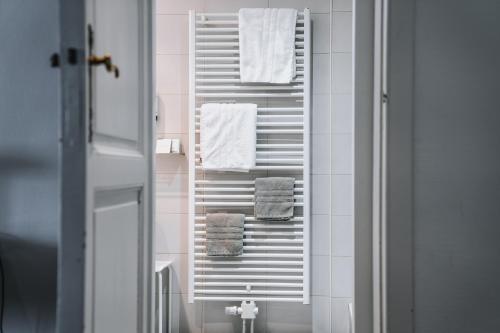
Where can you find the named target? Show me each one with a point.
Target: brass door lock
(106, 61)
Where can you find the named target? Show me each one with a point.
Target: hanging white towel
(267, 44)
(228, 136)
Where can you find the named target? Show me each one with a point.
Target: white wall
(30, 124)
(332, 248)
(457, 166)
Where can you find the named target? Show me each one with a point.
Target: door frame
(71, 254)
(396, 227)
(363, 67)
(383, 166)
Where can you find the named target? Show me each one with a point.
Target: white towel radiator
(275, 265)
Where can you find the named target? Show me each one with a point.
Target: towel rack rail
(275, 262)
(218, 30)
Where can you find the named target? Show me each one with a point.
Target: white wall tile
(342, 236)
(178, 269)
(321, 114)
(320, 273)
(340, 315)
(321, 153)
(186, 317)
(171, 193)
(233, 5)
(342, 277)
(178, 6)
(316, 6)
(216, 321)
(172, 74)
(321, 33)
(320, 235)
(321, 73)
(342, 5)
(342, 113)
(172, 233)
(321, 314)
(342, 32)
(172, 114)
(172, 35)
(320, 194)
(342, 73)
(342, 154)
(342, 195)
(172, 163)
(284, 317)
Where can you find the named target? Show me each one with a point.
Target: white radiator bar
(249, 262)
(251, 277)
(233, 51)
(262, 248)
(230, 37)
(243, 284)
(258, 255)
(297, 80)
(215, 59)
(234, 15)
(274, 131)
(233, 189)
(298, 29)
(257, 299)
(271, 167)
(236, 182)
(275, 262)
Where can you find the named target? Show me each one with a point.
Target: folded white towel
(267, 44)
(228, 136)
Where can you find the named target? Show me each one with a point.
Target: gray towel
(224, 234)
(274, 198)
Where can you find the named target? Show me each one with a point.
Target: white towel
(267, 44)
(228, 136)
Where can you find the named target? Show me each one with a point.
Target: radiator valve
(247, 310)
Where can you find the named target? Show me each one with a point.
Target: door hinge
(91, 120)
(385, 98)
(72, 56)
(55, 61)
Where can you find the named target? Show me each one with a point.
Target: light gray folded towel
(274, 198)
(224, 234)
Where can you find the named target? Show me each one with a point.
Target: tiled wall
(332, 248)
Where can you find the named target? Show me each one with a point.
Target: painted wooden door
(119, 250)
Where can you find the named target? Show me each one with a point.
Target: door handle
(105, 60)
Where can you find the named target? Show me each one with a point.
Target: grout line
(331, 230)
(172, 54)
(172, 14)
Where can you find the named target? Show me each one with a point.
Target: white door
(119, 242)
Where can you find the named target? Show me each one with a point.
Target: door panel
(117, 26)
(117, 215)
(119, 226)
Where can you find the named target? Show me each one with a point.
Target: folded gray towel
(224, 248)
(274, 198)
(225, 220)
(224, 234)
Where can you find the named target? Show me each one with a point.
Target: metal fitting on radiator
(247, 310)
